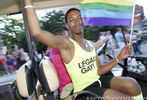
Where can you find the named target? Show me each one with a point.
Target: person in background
(119, 38)
(10, 62)
(16, 56)
(135, 44)
(23, 55)
(139, 37)
(3, 63)
(102, 35)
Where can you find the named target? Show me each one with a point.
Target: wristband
(117, 59)
(29, 6)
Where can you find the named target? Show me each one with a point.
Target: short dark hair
(71, 9)
(58, 32)
(13, 46)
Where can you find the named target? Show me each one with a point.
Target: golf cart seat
(48, 77)
(27, 80)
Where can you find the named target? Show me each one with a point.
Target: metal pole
(28, 38)
(47, 96)
(29, 43)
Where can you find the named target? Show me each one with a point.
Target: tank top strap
(73, 41)
(90, 43)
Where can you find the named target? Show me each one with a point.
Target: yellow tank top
(82, 69)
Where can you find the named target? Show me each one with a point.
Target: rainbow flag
(107, 12)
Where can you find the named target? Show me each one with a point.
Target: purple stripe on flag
(101, 21)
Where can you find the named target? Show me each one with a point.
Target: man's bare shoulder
(67, 49)
(66, 42)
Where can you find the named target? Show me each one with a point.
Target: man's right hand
(125, 52)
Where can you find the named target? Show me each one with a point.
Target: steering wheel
(103, 49)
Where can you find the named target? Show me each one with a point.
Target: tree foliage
(92, 32)
(51, 21)
(13, 32)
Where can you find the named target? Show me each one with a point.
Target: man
(135, 44)
(119, 38)
(64, 79)
(80, 57)
(16, 54)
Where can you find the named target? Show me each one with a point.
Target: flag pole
(132, 24)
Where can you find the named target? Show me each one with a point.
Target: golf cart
(36, 70)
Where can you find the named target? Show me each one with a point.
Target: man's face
(74, 22)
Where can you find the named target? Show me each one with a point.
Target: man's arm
(125, 52)
(34, 27)
(102, 69)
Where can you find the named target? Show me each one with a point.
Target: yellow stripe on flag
(113, 2)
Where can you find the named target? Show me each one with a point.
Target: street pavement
(7, 78)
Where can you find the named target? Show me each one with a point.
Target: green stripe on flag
(96, 5)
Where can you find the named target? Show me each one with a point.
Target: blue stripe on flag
(106, 13)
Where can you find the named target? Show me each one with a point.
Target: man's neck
(79, 37)
(80, 40)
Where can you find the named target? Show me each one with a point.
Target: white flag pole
(132, 23)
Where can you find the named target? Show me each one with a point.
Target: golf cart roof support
(28, 38)
(35, 62)
(13, 6)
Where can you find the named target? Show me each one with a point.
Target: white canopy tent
(13, 6)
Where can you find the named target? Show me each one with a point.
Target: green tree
(13, 32)
(92, 32)
(51, 21)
